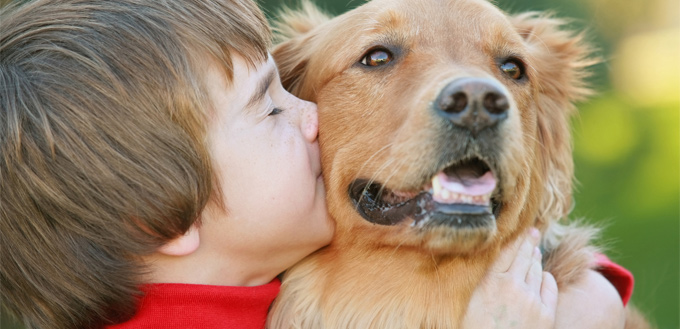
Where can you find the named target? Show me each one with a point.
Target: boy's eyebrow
(262, 88)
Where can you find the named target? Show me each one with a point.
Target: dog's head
(443, 124)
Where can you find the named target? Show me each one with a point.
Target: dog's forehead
(434, 15)
(462, 24)
(453, 33)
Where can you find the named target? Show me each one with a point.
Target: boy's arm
(598, 299)
(617, 275)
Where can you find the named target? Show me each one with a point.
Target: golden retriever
(444, 133)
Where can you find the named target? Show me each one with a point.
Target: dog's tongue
(465, 182)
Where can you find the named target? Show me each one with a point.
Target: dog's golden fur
(376, 124)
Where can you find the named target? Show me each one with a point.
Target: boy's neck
(196, 268)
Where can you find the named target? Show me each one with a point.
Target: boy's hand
(590, 303)
(515, 293)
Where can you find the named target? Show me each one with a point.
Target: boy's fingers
(525, 258)
(507, 256)
(549, 291)
(534, 276)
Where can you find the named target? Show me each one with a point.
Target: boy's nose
(310, 121)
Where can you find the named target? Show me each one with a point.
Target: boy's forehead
(263, 83)
(236, 68)
(260, 70)
(248, 84)
(253, 80)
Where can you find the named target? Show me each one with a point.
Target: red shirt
(182, 306)
(619, 277)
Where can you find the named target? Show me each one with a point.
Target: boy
(150, 144)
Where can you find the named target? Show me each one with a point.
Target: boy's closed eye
(276, 111)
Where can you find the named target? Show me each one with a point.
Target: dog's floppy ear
(293, 34)
(559, 59)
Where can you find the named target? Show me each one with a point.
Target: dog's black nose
(473, 103)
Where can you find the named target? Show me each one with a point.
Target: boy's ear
(183, 245)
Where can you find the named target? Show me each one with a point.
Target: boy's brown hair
(102, 123)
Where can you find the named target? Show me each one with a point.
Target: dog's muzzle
(463, 192)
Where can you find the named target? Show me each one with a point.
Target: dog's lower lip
(463, 209)
(420, 209)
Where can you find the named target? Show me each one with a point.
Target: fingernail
(534, 233)
(537, 252)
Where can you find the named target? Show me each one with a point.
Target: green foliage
(627, 163)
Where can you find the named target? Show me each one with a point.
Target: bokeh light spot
(645, 67)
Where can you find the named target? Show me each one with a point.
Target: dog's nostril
(496, 103)
(474, 104)
(455, 103)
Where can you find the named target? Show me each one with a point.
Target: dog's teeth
(443, 195)
(436, 186)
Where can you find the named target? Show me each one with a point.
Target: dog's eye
(513, 68)
(377, 57)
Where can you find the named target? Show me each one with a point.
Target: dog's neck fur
(329, 277)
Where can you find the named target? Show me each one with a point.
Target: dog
(444, 134)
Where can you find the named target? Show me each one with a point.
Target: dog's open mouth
(460, 195)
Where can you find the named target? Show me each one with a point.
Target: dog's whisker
(395, 170)
(374, 155)
(388, 164)
(403, 161)
(374, 177)
(377, 172)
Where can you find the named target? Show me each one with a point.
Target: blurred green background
(626, 138)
